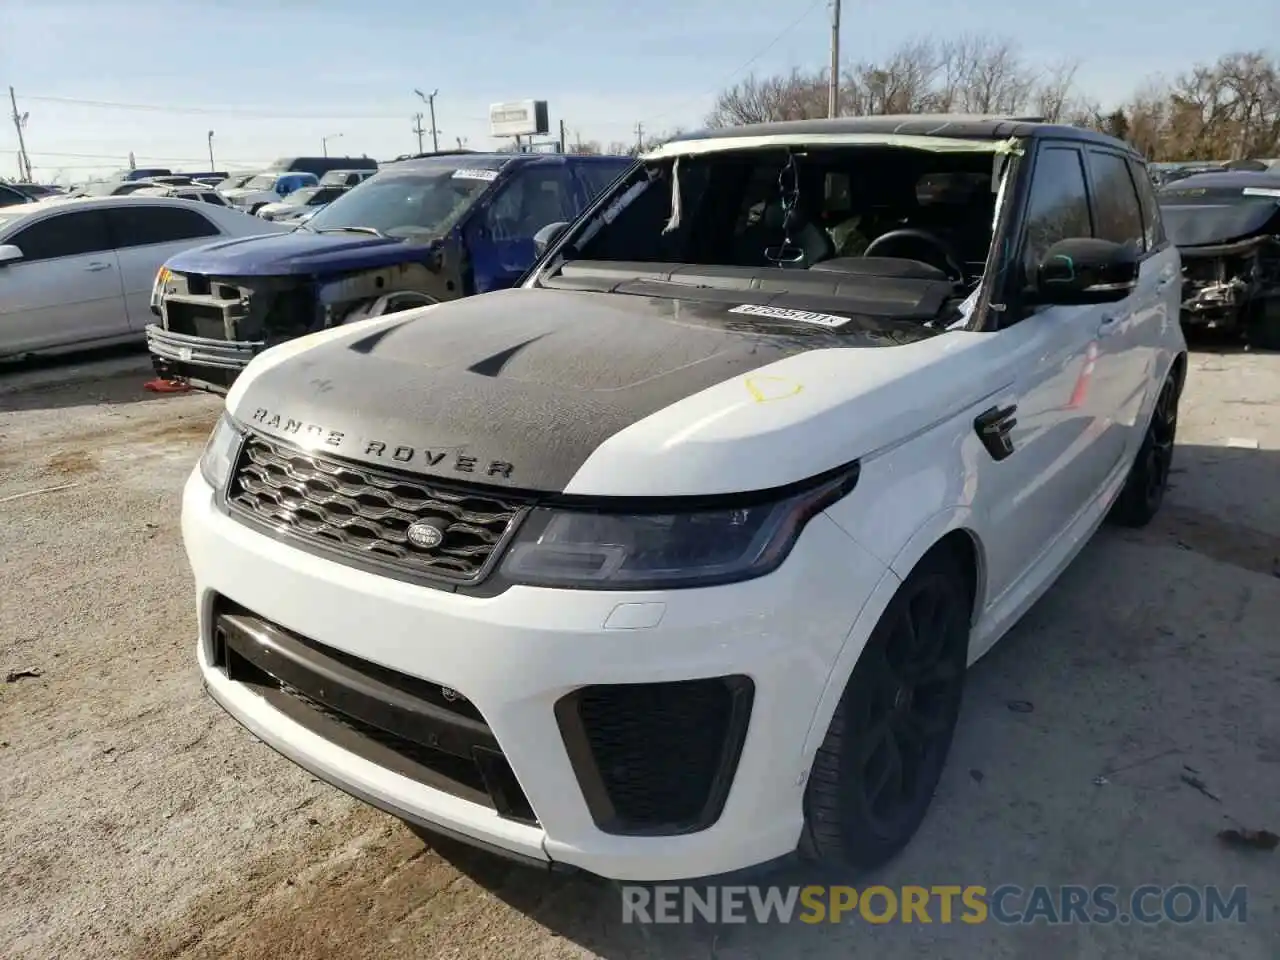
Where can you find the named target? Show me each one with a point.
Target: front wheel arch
(386, 304)
(943, 532)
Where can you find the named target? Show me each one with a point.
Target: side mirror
(1083, 270)
(9, 254)
(548, 235)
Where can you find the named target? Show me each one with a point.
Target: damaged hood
(298, 252)
(608, 394)
(1204, 224)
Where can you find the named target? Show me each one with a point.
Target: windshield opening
(780, 208)
(265, 181)
(418, 202)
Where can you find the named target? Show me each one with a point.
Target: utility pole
(19, 121)
(430, 101)
(639, 138)
(417, 128)
(212, 165)
(562, 136)
(833, 81)
(435, 134)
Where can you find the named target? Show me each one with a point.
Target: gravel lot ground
(138, 821)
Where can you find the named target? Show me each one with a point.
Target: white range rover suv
(670, 561)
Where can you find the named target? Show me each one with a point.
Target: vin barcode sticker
(475, 173)
(797, 316)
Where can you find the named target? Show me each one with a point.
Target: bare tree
(1219, 111)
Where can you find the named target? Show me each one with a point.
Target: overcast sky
(274, 78)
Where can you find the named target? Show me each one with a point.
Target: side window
(213, 198)
(533, 199)
(1152, 223)
(1058, 206)
(596, 177)
(1115, 200)
(64, 235)
(140, 226)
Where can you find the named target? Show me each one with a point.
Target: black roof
(1224, 180)
(963, 126)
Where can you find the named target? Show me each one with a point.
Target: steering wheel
(954, 269)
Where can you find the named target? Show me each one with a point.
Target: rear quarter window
(141, 226)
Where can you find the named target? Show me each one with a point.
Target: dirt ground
(138, 821)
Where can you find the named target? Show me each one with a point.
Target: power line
(760, 53)
(220, 111)
(123, 156)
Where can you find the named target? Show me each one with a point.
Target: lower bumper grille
(405, 724)
(196, 319)
(656, 759)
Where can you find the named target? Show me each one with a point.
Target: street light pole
(212, 166)
(324, 142)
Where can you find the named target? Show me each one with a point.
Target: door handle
(94, 267)
(1108, 326)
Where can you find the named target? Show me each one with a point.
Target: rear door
(66, 289)
(145, 236)
(1124, 370)
(500, 238)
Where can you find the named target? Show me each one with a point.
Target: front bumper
(518, 655)
(204, 361)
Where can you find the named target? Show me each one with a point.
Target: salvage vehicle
(322, 165)
(234, 182)
(76, 275)
(298, 202)
(417, 233)
(1227, 228)
(202, 194)
(345, 178)
(265, 188)
(10, 195)
(671, 560)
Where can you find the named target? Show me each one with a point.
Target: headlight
(157, 288)
(650, 549)
(220, 453)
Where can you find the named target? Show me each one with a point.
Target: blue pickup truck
(420, 231)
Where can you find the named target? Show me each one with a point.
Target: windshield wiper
(369, 230)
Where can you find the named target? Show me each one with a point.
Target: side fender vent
(994, 426)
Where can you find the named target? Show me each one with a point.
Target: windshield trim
(689, 148)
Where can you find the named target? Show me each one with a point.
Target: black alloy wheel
(874, 776)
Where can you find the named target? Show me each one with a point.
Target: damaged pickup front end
(214, 319)
(1227, 229)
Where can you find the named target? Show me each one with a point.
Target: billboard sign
(520, 118)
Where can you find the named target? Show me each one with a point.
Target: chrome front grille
(362, 514)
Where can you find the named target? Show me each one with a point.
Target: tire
(1263, 329)
(1144, 490)
(898, 713)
